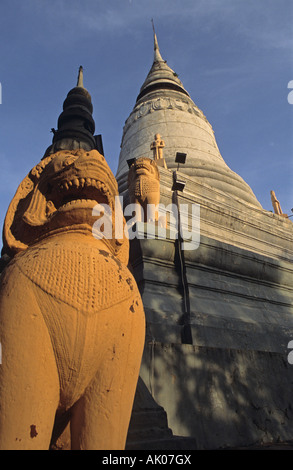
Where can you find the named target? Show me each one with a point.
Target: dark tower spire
(80, 77)
(76, 125)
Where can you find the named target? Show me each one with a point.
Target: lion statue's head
(143, 178)
(143, 166)
(60, 193)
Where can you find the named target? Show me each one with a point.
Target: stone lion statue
(72, 324)
(144, 187)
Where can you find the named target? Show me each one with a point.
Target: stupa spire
(165, 107)
(157, 54)
(160, 76)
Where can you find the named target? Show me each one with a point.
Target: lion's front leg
(139, 210)
(29, 383)
(100, 419)
(152, 207)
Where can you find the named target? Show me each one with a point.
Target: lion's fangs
(83, 182)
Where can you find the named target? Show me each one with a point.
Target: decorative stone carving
(144, 187)
(72, 322)
(159, 104)
(276, 205)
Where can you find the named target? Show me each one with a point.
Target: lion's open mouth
(78, 192)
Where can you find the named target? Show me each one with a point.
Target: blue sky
(234, 57)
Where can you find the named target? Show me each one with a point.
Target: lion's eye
(69, 160)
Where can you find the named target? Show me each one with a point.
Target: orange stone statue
(72, 323)
(144, 187)
(157, 146)
(276, 205)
